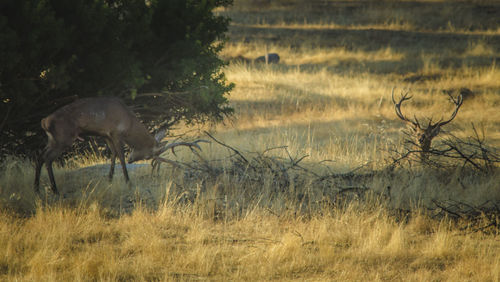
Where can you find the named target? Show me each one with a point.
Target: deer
(423, 135)
(107, 117)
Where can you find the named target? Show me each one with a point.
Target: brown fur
(104, 116)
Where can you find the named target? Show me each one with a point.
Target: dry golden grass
(329, 99)
(179, 243)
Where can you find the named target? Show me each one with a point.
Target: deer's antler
(155, 163)
(157, 160)
(458, 102)
(189, 144)
(397, 107)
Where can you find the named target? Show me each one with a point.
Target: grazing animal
(269, 58)
(108, 117)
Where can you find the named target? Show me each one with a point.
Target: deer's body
(102, 116)
(107, 117)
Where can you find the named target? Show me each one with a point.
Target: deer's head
(424, 134)
(152, 150)
(157, 147)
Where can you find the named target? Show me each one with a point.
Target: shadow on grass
(447, 50)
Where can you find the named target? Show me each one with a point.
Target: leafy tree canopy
(159, 55)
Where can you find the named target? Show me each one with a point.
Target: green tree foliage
(159, 55)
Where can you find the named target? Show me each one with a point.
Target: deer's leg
(38, 169)
(121, 155)
(113, 158)
(51, 177)
(119, 151)
(49, 156)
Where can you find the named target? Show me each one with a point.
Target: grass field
(292, 213)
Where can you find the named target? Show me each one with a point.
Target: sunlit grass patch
(177, 242)
(309, 55)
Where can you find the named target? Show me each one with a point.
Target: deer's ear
(435, 131)
(160, 135)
